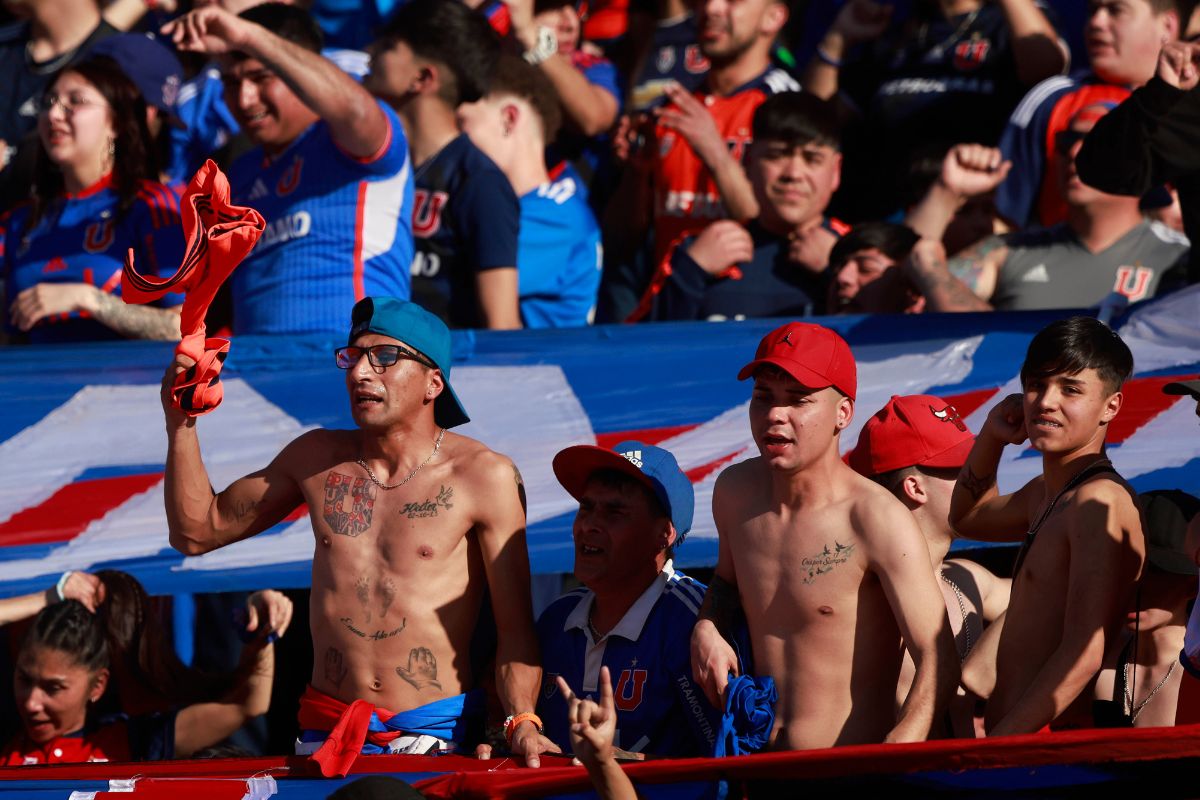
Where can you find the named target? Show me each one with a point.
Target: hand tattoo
(975, 485)
(429, 508)
(421, 671)
(825, 561)
(349, 504)
(335, 666)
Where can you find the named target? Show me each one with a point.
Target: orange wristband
(510, 724)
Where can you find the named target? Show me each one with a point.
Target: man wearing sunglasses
(413, 525)
(1105, 246)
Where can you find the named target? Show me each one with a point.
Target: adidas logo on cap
(633, 457)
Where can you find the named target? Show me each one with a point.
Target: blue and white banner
(82, 443)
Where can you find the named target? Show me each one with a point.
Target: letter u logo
(630, 687)
(290, 178)
(427, 213)
(1133, 282)
(98, 236)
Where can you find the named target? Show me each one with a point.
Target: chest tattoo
(429, 506)
(825, 561)
(349, 504)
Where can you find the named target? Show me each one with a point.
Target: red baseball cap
(910, 431)
(815, 356)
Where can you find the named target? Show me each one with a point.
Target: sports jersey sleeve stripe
(692, 589)
(1023, 113)
(688, 602)
(360, 290)
(148, 200)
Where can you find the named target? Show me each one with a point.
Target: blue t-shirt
(465, 220)
(661, 710)
(83, 238)
(339, 228)
(559, 256)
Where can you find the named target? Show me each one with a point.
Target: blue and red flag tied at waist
(219, 235)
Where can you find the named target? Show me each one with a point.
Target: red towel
(347, 726)
(219, 236)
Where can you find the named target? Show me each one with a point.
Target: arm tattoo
(137, 321)
(335, 666)
(349, 504)
(975, 485)
(947, 292)
(722, 605)
(520, 487)
(421, 672)
(246, 508)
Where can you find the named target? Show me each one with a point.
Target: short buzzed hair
(517, 78)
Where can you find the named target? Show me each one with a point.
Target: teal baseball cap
(420, 330)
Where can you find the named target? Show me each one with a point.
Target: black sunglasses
(379, 355)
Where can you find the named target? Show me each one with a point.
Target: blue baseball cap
(149, 64)
(653, 466)
(420, 330)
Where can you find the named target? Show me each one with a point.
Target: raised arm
(204, 724)
(356, 122)
(713, 658)
(977, 509)
(1037, 50)
(80, 586)
(928, 271)
(1105, 539)
(500, 527)
(199, 519)
(691, 120)
(968, 170)
(858, 21)
(898, 555)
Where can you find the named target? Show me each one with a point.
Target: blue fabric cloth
(446, 719)
(749, 715)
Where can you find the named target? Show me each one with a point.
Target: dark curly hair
(69, 628)
(134, 157)
(141, 652)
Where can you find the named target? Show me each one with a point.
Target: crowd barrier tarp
(82, 445)
(1012, 764)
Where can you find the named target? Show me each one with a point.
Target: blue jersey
(661, 710)
(208, 123)
(82, 238)
(339, 228)
(465, 220)
(674, 56)
(1030, 195)
(559, 257)
(770, 285)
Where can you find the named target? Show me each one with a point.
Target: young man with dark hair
(331, 172)
(558, 254)
(1082, 554)
(867, 273)
(914, 447)
(635, 611)
(830, 569)
(774, 265)
(429, 59)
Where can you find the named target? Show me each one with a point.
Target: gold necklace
(436, 446)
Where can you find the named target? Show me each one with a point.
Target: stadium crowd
(440, 164)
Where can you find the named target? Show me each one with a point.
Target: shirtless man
(830, 569)
(1073, 583)
(396, 595)
(914, 447)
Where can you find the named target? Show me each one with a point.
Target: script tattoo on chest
(429, 507)
(825, 561)
(349, 504)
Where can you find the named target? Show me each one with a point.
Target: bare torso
(819, 621)
(398, 577)
(1034, 626)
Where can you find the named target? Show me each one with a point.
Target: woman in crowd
(92, 199)
(62, 671)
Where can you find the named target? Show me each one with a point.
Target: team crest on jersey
(630, 688)
(427, 212)
(1133, 282)
(290, 178)
(694, 61)
(666, 59)
(971, 54)
(98, 236)
(55, 264)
